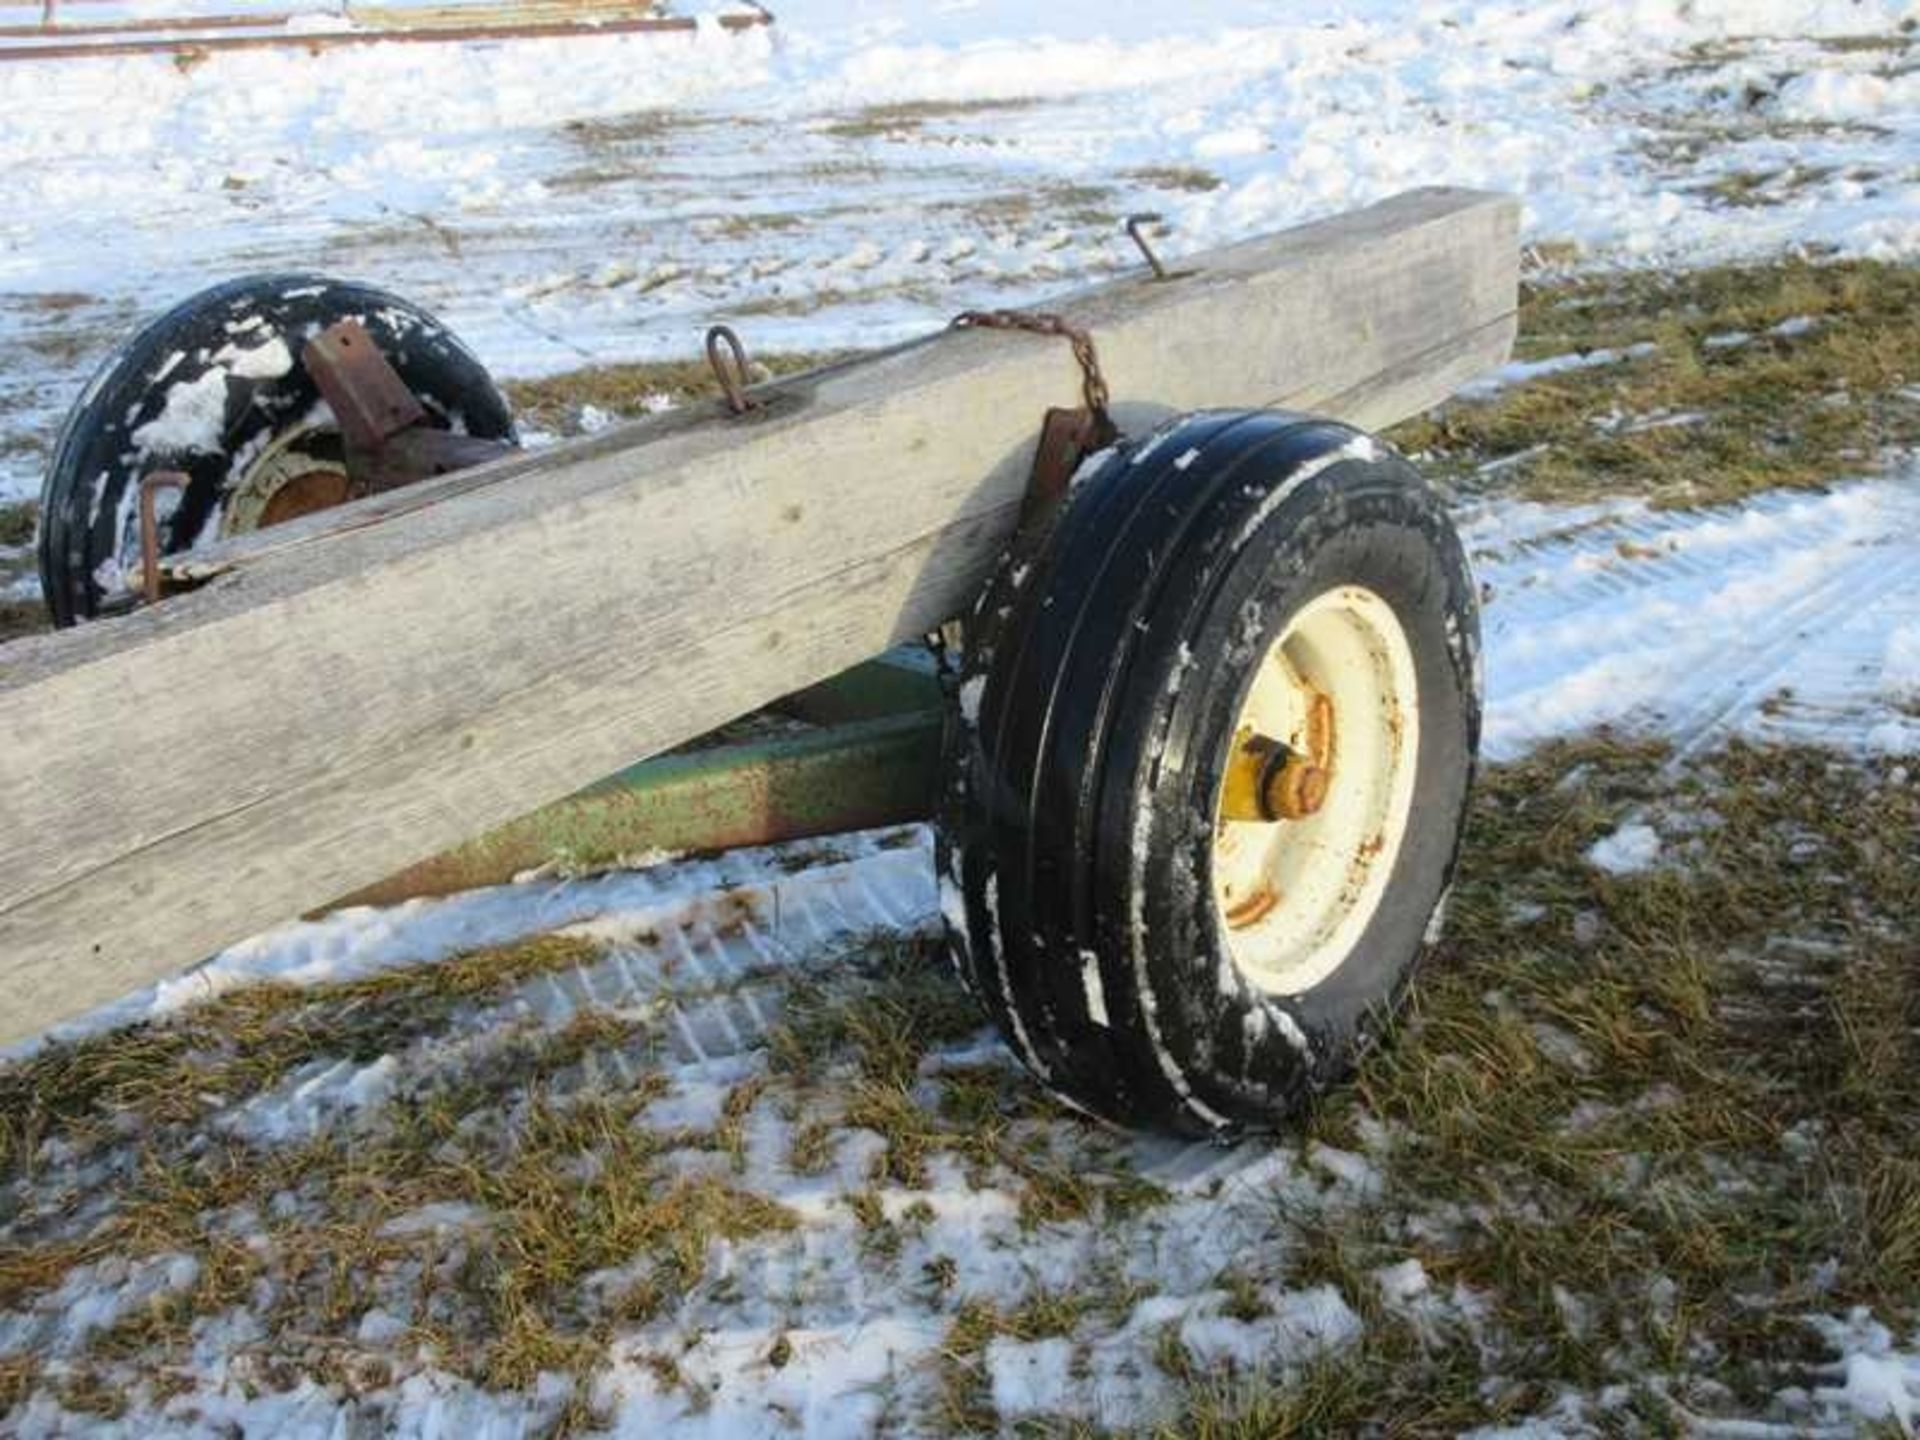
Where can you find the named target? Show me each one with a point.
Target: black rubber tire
(89, 499)
(1099, 681)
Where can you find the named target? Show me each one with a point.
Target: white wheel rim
(1292, 897)
(265, 476)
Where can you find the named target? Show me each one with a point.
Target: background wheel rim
(1293, 896)
(298, 473)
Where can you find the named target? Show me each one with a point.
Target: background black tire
(1097, 688)
(214, 358)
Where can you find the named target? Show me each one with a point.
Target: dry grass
(1193, 179)
(554, 402)
(562, 1181)
(904, 1004)
(1757, 189)
(1779, 410)
(967, 1391)
(22, 617)
(243, 1042)
(17, 521)
(1652, 1120)
(908, 119)
(560, 1184)
(1046, 204)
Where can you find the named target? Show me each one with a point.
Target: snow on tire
(214, 388)
(1212, 738)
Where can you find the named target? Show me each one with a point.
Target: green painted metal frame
(851, 753)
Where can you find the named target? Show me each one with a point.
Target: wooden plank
(53, 44)
(365, 687)
(379, 17)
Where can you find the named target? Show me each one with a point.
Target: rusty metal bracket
(384, 429)
(733, 382)
(1067, 437)
(370, 402)
(150, 488)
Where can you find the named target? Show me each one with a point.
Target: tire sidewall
(1367, 521)
(90, 492)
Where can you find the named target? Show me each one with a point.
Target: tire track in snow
(1692, 625)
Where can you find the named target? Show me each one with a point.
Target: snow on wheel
(1213, 738)
(215, 389)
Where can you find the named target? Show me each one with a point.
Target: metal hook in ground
(1134, 229)
(734, 382)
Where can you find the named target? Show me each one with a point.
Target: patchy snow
(1875, 1380)
(1029, 1376)
(1900, 666)
(268, 361)
(894, 867)
(326, 1091)
(1627, 851)
(807, 1331)
(1519, 372)
(190, 420)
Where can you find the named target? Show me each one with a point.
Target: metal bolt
(1267, 780)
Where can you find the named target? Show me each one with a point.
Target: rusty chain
(1093, 382)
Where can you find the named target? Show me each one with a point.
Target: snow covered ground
(853, 176)
(859, 172)
(1688, 626)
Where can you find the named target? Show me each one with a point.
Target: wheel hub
(1268, 780)
(1316, 791)
(296, 475)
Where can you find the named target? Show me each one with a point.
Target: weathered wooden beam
(362, 688)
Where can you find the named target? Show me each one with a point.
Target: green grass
(1778, 411)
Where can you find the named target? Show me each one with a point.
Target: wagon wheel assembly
(1210, 725)
(248, 405)
(1208, 765)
